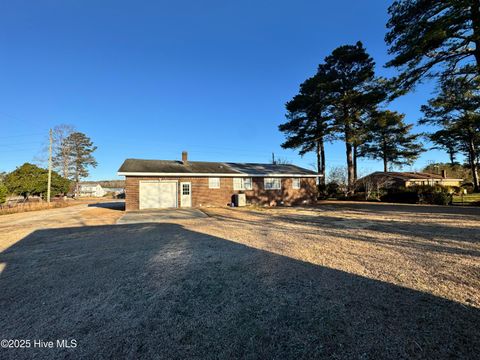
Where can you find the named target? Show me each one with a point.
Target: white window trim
(251, 183)
(296, 184)
(213, 186)
(236, 185)
(241, 186)
(277, 180)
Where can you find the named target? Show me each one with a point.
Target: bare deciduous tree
(373, 185)
(339, 176)
(61, 148)
(282, 161)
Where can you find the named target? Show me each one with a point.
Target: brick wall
(203, 196)
(286, 196)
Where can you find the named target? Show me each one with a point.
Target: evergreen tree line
(346, 101)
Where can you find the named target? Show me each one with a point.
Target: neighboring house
(112, 190)
(407, 179)
(152, 184)
(91, 190)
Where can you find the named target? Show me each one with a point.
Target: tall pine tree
(432, 37)
(308, 125)
(456, 109)
(441, 39)
(388, 138)
(353, 93)
(80, 152)
(446, 140)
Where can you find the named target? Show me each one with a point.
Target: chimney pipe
(444, 174)
(184, 157)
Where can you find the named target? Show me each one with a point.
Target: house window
(272, 183)
(242, 184)
(247, 183)
(296, 183)
(214, 183)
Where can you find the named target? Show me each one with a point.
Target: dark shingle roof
(408, 175)
(265, 169)
(203, 167)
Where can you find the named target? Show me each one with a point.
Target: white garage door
(158, 194)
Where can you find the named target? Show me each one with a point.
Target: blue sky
(148, 79)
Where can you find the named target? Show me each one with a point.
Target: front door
(186, 194)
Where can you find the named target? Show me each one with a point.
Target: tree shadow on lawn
(162, 291)
(467, 212)
(113, 205)
(429, 231)
(435, 237)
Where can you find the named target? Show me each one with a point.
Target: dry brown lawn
(55, 204)
(15, 227)
(406, 245)
(339, 281)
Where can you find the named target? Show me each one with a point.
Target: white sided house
(91, 190)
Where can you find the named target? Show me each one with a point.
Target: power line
(21, 135)
(23, 143)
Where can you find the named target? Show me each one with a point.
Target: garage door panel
(157, 195)
(149, 194)
(168, 195)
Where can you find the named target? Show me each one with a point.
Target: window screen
(272, 184)
(295, 183)
(242, 183)
(214, 183)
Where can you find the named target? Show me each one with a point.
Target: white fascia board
(213, 175)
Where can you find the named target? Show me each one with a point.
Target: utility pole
(273, 158)
(49, 184)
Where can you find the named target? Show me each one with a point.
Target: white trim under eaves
(214, 175)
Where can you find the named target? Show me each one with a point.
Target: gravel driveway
(335, 281)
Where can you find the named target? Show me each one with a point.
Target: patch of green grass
(467, 199)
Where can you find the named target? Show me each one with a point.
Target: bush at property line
(438, 198)
(425, 194)
(402, 195)
(3, 193)
(335, 190)
(32, 206)
(469, 187)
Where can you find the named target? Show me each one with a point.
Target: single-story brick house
(153, 184)
(393, 179)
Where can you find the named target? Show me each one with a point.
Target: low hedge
(436, 195)
(3, 193)
(403, 196)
